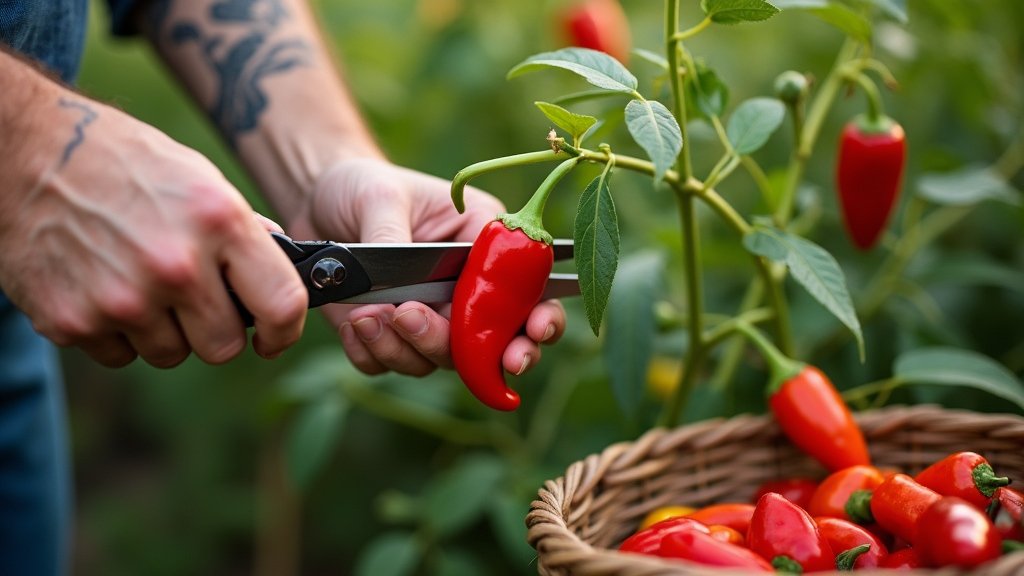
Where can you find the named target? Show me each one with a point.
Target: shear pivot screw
(327, 272)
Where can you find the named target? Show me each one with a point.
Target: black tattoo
(242, 65)
(88, 115)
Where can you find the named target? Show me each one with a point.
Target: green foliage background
(186, 471)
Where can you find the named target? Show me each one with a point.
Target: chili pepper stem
(986, 480)
(874, 121)
(782, 367)
(786, 565)
(846, 559)
(530, 218)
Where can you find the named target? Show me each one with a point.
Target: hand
(119, 241)
(370, 200)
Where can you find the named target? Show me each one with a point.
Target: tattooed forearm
(88, 115)
(242, 46)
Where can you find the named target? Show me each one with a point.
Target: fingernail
(525, 365)
(368, 329)
(412, 322)
(548, 333)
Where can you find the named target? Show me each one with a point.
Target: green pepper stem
(874, 121)
(986, 481)
(463, 177)
(530, 218)
(846, 559)
(781, 366)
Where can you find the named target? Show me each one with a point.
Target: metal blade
(558, 286)
(394, 265)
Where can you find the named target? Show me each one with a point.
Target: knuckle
(66, 327)
(288, 308)
(175, 268)
(125, 307)
(215, 211)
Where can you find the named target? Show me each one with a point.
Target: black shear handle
(328, 270)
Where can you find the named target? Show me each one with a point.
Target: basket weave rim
(560, 501)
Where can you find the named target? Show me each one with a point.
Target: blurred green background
(302, 466)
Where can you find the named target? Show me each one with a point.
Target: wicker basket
(580, 518)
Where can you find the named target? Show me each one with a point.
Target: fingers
(267, 224)
(112, 351)
(546, 322)
(162, 344)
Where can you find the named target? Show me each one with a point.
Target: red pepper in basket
(952, 532)
(835, 491)
(734, 515)
(1007, 513)
(727, 534)
(784, 533)
(868, 175)
(705, 549)
(648, 540)
(503, 279)
(797, 490)
(964, 474)
(843, 536)
(905, 559)
(898, 503)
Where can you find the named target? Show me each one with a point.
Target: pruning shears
(386, 273)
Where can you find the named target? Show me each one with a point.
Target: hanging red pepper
(834, 492)
(797, 490)
(598, 25)
(787, 535)
(1007, 513)
(963, 474)
(843, 536)
(898, 503)
(704, 549)
(809, 409)
(953, 532)
(503, 279)
(872, 153)
(648, 540)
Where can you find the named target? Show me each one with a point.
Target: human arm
(116, 239)
(262, 73)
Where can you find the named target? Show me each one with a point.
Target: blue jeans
(35, 483)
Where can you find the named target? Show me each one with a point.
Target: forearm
(266, 79)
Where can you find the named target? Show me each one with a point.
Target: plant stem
(472, 171)
(530, 218)
(734, 353)
(691, 32)
(672, 48)
(715, 335)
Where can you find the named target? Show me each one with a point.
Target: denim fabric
(50, 31)
(35, 485)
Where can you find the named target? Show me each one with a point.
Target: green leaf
(583, 96)
(967, 187)
(753, 122)
(652, 57)
(459, 497)
(895, 9)
(317, 375)
(390, 554)
(706, 95)
(956, 367)
(573, 123)
(313, 436)
(631, 326)
(506, 515)
(813, 268)
(656, 131)
(596, 242)
(595, 67)
(737, 11)
(972, 269)
(843, 17)
(454, 562)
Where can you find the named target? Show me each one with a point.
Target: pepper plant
(756, 188)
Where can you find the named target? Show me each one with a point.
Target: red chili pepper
(598, 25)
(905, 559)
(963, 474)
(843, 536)
(868, 176)
(835, 491)
(705, 549)
(734, 515)
(787, 535)
(648, 540)
(952, 532)
(898, 503)
(1007, 513)
(797, 490)
(813, 416)
(503, 279)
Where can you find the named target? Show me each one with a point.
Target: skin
(117, 240)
